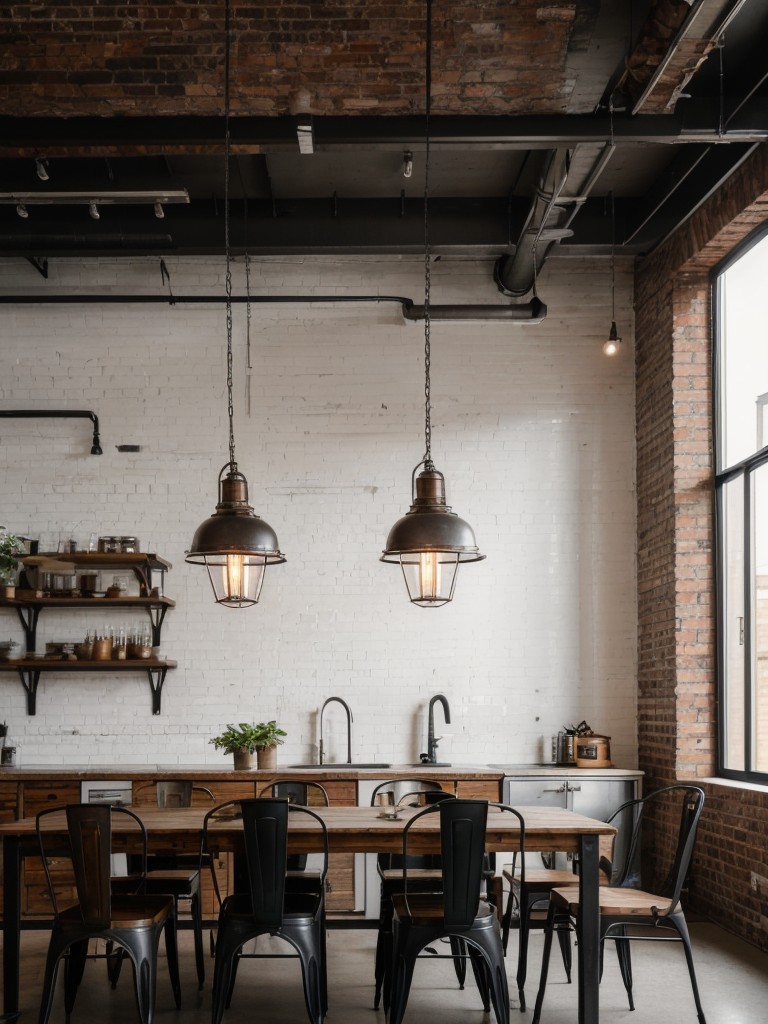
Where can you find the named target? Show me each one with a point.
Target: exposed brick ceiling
(623, 97)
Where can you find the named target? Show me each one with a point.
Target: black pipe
(60, 414)
(530, 312)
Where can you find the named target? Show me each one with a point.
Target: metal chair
(657, 915)
(529, 890)
(263, 905)
(132, 921)
(304, 794)
(458, 911)
(426, 876)
(178, 875)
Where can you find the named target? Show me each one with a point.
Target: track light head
(41, 169)
(93, 210)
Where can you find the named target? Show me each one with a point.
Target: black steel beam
(695, 121)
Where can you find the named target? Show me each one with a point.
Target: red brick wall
(348, 56)
(676, 664)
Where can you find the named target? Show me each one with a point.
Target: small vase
(8, 590)
(267, 757)
(243, 759)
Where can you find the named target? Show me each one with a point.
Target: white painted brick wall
(532, 426)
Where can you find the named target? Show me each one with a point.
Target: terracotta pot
(267, 757)
(243, 759)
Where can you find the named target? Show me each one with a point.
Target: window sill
(755, 787)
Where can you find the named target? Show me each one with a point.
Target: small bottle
(121, 645)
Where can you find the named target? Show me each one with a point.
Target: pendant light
(430, 541)
(611, 345)
(234, 544)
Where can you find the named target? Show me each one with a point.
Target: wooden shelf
(99, 559)
(29, 670)
(87, 602)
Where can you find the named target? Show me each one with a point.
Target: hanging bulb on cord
(611, 346)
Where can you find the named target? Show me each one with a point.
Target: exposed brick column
(676, 600)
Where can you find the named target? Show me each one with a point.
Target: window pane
(733, 622)
(760, 687)
(743, 306)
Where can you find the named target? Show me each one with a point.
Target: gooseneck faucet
(431, 755)
(346, 707)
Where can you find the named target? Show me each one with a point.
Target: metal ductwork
(532, 312)
(544, 227)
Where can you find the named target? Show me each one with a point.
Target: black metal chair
(458, 911)
(652, 916)
(179, 875)
(304, 794)
(529, 890)
(425, 875)
(132, 921)
(263, 905)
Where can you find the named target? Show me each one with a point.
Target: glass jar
(129, 545)
(109, 545)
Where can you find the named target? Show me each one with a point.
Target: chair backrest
(265, 851)
(672, 804)
(462, 850)
(407, 792)
(179, 793)
(89, 836)
(305, 793)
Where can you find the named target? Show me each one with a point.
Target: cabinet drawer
(478, 789)
(37, 796)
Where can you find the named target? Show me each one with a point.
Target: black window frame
(744, 469)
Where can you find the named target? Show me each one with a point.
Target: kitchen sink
(343, 764)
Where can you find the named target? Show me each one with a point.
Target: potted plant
(244, 739)
(10, 546)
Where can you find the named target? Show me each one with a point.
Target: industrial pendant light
(611, 345)
(234, 544)
(430, 541)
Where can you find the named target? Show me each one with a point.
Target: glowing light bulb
(429, 575)
(236, 577)
(611, 346)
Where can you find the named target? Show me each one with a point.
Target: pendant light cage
(234, 544)
(430, 541)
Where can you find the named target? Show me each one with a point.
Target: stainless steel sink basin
(343, 764)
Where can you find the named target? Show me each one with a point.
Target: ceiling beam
(697, 121)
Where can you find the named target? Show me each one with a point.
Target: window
(741, 453)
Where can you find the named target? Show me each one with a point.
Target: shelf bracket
(29, 616)
(156, 617)
(156, 676)
(29, 678)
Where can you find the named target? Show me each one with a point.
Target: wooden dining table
(350, 830)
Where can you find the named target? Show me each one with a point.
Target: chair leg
(383, 950)
(564, 939)
(56, 949)
(197, 928)
(524, 924)
(459, 952)
(404, 954)
(506, 921)
(624, 957)
(679, 922)
(480, 970)
(73, 974)
(308, 943)
(115, 957)
(172, 955)
(231, 989)
(491, 955)
(550, 927)
(228, 942)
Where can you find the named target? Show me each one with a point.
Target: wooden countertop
(110, 773)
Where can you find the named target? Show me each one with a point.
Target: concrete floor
(733, 979)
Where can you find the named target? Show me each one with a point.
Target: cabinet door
(35, 900)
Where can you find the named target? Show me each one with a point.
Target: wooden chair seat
(615, 902)
(414, 874)
(127, 912)
(175, 881)
(541, 878)
(422, 908)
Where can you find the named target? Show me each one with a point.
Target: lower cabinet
(35, 899)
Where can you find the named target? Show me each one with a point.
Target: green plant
(248, 737)
(10, 546)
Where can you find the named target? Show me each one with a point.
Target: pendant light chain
(427, 267)
(613, 258)
(230, 405)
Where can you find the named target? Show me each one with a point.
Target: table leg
(11, 927)
(589, 932)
